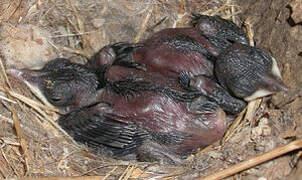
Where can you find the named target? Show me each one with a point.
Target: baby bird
(148, 126)
(129, 116)
(59, 82)
(222, 33)
(175, 50)
(162, 98)
(215, 53)
(248, 72)
(195, 84)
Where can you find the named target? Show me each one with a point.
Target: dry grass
(32, 144)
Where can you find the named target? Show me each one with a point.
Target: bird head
(60, 83)
(248, 72)
(218, 28)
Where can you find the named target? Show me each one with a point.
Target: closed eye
(55, 99)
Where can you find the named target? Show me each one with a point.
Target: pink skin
(167, 60)
(158, 113)
(106, 56)
(170, 61)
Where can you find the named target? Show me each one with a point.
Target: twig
(168, 4)
(204, 150)
(125, 172)
(252, 108)
(175, 174)
(250, 33)
(7, 99)
(8, 141)
(150, 29)
(19, 5)
(75, 51)
(68, 178)
(72, 34)
(105, 8)
(16, 120)
(297, 144)
(129, 173)
(143, 25)
(99, 167)
(232, 10)
(249, 115)
(10, 164)
(70, 39)
(81, 29)
(233, 127)
(110, 172)
(3, 173)
(4, 78)
(30, 102)
(180, 15)
(6, 119)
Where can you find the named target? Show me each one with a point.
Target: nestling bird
(126, 117)
(197, 85)
(209, 87)
(58, 83)
(248, 72)
(162, 98)
(221, 32)
(175, 50)
(69, 86)
(150, 126)
(195, 50)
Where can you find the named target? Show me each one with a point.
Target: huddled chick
(162, 98)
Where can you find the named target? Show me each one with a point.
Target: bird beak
(276, 80)
(270, 84)
(31, 79)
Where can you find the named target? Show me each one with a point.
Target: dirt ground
(32, 145)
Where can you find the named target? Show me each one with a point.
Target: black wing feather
(103, 131)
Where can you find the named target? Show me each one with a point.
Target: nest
(33, 145)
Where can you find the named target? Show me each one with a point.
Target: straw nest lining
(31, 143)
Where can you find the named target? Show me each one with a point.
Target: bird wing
(102, 130)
